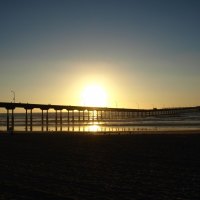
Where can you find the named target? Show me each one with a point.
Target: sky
(143, 53)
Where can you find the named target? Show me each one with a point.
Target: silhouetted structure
(102, 113)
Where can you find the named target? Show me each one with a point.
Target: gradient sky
(145, 53)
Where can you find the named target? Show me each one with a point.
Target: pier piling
(78, 113)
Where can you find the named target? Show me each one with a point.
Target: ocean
(92, 123)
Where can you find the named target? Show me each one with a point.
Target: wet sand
(137, 166)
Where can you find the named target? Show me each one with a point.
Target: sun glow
(94, 95)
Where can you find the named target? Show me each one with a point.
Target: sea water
(182, 121)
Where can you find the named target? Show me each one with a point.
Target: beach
(70, 166)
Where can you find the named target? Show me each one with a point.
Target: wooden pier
(83, 113)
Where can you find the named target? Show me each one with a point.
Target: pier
(80, 114)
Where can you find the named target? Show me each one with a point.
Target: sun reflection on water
(94, 128)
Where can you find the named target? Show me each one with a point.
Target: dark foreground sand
(60, 166)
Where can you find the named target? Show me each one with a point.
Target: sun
(94, 95)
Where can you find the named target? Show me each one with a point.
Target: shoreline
(100, 133)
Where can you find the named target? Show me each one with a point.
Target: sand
(138, 166)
